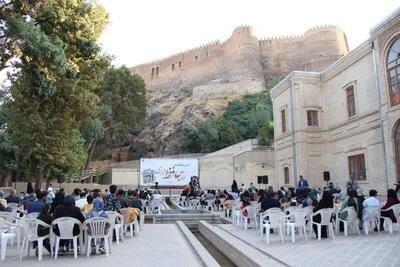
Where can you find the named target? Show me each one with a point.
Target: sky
(142, 31)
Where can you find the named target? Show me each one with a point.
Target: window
(393, 72)
(357, 167)
(312, 118)
(283, 120)
(207, 54)
(180, 64)
(157, 71)
(152, 73)
(286, 175)
(351, 101)
(196, 57)
(396, 139)
(173, 67)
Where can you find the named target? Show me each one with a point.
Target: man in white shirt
(82, 201)
(371, 201)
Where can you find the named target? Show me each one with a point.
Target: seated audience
(392, 199)
(269, 202)
(68, 209)
(324, 203)
(371, 201)
(13, 198)
(35, 204)
(98, 211)
(133, 200)
(45, 217)
(89, 205)
(3, 202)
(82, 201)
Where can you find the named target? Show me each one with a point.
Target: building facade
(345, 119)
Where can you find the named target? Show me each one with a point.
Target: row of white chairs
(13, 228)
(296, 218)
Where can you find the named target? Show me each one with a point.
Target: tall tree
(122, 108)
(59, 66)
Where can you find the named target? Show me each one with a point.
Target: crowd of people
(301, 196)
(79, 204)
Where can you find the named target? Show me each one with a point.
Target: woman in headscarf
(68, 209)
(392, 199)
(324, 203)
(29, 188)
(58, 200)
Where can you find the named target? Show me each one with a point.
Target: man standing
(352, 184)
(302, 185)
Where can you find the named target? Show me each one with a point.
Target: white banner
(172, 172)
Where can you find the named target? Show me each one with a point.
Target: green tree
(122, 109)
(266, 134)
(59, 67)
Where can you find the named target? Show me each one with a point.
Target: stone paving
(156, 245)
(373, 250)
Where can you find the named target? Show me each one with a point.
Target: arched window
(393, 72)
(396, 139)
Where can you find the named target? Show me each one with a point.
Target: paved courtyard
(373, 250)
(156, 245)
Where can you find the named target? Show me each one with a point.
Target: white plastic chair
(32, 215)
(117, 223)
(221, 203)
(194, 203)
(351, 220)
(396, 212)
(13, 226)
(326, 215)
(251, 216)
(297, 219)
(210, 204)
(30, 234)
(373, 218)
(66, 228)
(155, 205)
(5, 235)
(97, 228)
(126, 214)
(272, 219)
(236, 215)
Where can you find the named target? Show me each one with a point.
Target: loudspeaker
(265, 179)
(327, 176)
(16, 175)
(61, 179)
(259, 179)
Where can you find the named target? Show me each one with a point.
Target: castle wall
(188, 87)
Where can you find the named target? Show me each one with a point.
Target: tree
(122, 108)
(266, 134)
(58, 68)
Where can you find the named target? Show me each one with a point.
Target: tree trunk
(90, 151)
(39, 178)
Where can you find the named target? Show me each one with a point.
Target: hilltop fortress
(190, 86)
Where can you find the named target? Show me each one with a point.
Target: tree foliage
(123, 103)
(122, 110)
(59, 66)
(243, 119)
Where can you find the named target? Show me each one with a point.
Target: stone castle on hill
(193, 85)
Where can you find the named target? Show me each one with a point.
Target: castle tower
(317, 56)
(243, 52)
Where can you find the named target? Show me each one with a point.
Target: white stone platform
(156, 245)
(373, 250)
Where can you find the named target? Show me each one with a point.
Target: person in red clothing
(391, 200)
